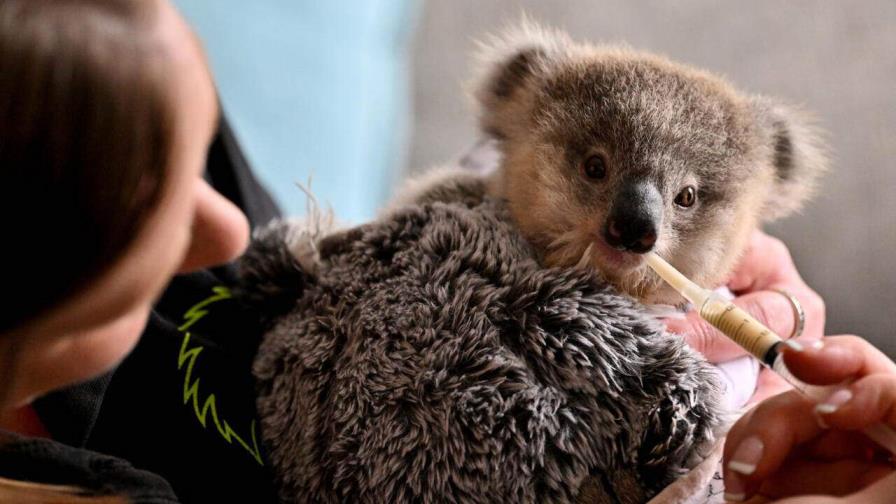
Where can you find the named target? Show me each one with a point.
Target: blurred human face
(192, 227)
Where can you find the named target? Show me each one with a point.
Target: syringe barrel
(741, 327)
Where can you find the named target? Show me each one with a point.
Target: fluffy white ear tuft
(797, 152)
(508, 64)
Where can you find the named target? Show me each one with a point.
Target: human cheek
(220, 231)
(55, 363)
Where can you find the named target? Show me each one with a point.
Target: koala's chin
(626, 271)
(634, 278)
(642, 284)
(663, 295)
(631, 276)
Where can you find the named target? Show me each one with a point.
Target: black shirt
(45, 461)
(182, 404)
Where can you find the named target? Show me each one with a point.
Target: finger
(868, 401)
(839, 358)
(836, 444)
(811, 303)
(766, 261)
(782, 426)
(881, 491)
(758, 444)
(767, 265)
(806, 499)
(808, 477)
(704, 338)
(772, 309)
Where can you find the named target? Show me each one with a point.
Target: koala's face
(609, 154)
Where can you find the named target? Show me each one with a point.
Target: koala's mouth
(625, 269)
(618, 260)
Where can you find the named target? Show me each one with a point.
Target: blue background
(314, 88)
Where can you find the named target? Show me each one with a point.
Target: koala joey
(609, 153)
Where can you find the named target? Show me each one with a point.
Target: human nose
(220, 231)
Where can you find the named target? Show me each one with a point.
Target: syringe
(753, 336)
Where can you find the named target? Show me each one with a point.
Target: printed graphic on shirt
(186, 361)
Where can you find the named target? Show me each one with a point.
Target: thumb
(866, 402)
(768, 307)
(881, 491)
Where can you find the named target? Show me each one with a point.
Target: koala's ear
(796, 151)
(511, 65)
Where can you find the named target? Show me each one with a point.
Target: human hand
(765, 266)
(781, 449)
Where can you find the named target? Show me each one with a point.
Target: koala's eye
(687, 197)
(594, 167)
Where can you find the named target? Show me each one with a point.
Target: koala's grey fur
(467, 346)
(551, 103)
(431, 358)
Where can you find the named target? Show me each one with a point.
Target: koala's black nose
(633, 234)
(635, 218)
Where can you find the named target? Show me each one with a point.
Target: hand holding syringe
(754, 337)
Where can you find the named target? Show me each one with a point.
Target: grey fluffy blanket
(428, 357)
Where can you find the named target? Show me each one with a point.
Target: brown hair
(86, 128)
(85, 132)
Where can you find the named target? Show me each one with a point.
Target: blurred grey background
(837, 59)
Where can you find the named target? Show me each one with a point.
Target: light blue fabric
(314, 88)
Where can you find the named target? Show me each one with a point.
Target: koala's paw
(682, 429)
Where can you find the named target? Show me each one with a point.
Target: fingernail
(746, 456)
(833, 403)
(819, 420)
(817, 345)
(735, 491)
(793, 345)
